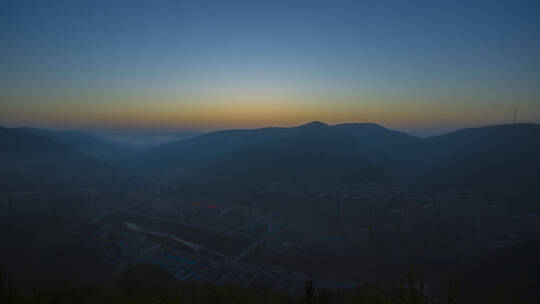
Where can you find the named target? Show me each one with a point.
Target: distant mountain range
(143, 140)
(314, 152)
(33, 162)
(502, 160)
(84, 143)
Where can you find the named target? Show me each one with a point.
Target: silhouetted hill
(142, 140)
(313, 152)
(87, 144)
(32, 162)
(199, 151)
(500, 161)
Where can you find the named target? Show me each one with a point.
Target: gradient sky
(207, 65)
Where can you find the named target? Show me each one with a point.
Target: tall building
(73, 203)
(462, 211)
(4, 204)
(27, 204)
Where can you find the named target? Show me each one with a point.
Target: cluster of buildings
(65, 204)
(236, 242)
(382, 219)
(192, 259)
(361, 191)
(452, 222)
(365, 191)
(233, 241)
(448, 222)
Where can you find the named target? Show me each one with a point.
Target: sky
(418, 66)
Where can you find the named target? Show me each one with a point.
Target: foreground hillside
(149, 284)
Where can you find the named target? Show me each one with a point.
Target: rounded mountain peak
(314, 124)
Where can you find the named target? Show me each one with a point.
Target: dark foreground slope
(150, 284)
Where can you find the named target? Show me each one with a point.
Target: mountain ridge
(317, 152)
(30, 162)
(498, 159)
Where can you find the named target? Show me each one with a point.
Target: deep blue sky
(209, 65)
